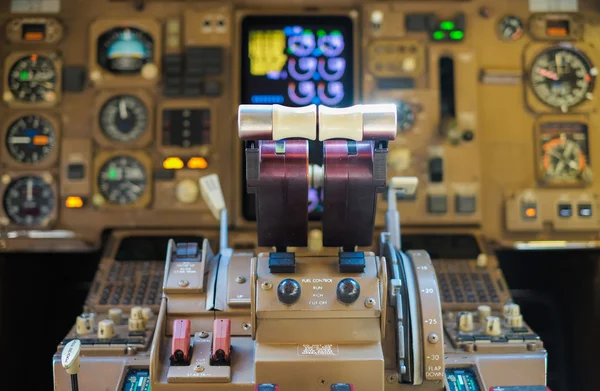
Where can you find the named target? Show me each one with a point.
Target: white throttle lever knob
(69, 359)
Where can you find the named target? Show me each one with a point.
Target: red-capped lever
(266, 387)
(180, 348)
(221, 346)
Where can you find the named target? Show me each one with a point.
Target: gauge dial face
(406, 116)
(562, 77)
(123, 118)
(28, 201)
(122, 180)
(510, 28)
(33, 79)
(565, 153)
(125, 50)
(30, 139)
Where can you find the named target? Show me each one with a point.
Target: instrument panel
(111, 113)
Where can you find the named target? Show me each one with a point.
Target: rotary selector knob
(514, 321)
(136, 320)
(512, 309)
(115, 314)
(492, 326)
(288, 291)
(187, 191)
(483, 312)
(85, 324)
(348, 290)
(465, 322)
(106, 329)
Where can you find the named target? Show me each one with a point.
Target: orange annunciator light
(40, 140)
(73, 202)
(197, 163)
(530, 212)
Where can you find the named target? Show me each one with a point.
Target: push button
(437, 204)
(584, 210)
(436, 170)
(76, 171)
(529, 210)
(465, 204)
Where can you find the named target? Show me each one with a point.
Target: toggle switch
(180, 345)
(221, 346)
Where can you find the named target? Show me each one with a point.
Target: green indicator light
(24, 75)
(336, 32)
(439, 35)
(112, 174)
(447, 25)
(457, 35)
(321, 33)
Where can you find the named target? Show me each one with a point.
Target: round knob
(348, 291)
(483, 312)
(106, 328)
(147, 313)
(187, 191)
(465, 322)
(288, 291)
(115, 314)
(84, 324)
(492, 326)
(136, 324)
(514, 321)
(512, 309)
(136, 313)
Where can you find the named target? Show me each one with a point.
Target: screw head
(266, 285)
(392, 378)
(199, 368)
(183, 283)
(203, 334)
(370, 302)
(240, 279)
(246, 326)
(433, 338)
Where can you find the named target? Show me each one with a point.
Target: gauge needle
(573, 164)
(558, 58)
(123, 109)
(29, 190)
(547, 74)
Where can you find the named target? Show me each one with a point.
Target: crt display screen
(297, 61)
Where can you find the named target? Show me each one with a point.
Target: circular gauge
(122, 180)
(28, 201)
(562, 77)
(30, 139)
(510, 28)
(125, 50)
(123, 118)
(406, 116)
(564, 160)
(32, 79)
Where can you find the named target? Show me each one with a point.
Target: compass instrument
(28, 201)
(122, 180)
(123, 118)
(33, 79)
(510, 28)
(125, 50)
(563, 77)
(30, 139)
(564, 153)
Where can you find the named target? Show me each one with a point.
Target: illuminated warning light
(530, 212)
(173, 163)
(34, 36)
(457, 35)
(196, 163)
(439, 35)
(557, 32)
(74, 202)
(447, 25)
(40, 140)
